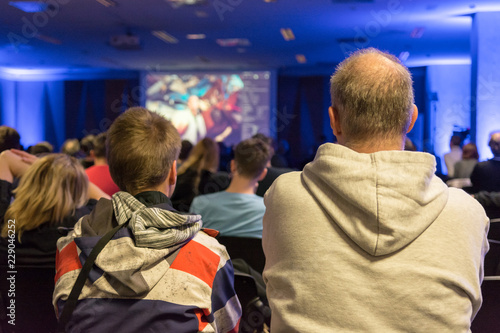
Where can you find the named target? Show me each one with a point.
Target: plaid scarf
(154, 227)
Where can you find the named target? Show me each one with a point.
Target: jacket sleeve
(226, 308)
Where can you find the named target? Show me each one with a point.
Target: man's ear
(334, 121)
(172, 174)
(262, 174)
(414, 117)
(232, 166)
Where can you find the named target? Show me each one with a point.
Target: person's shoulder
(286, 184)
(463, 203)
(211, 244)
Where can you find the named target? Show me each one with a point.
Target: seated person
(238, 211)
(51, 197)
(162, 273)
(99, 172)
(486, 174)
(490, 202)
(199, 175)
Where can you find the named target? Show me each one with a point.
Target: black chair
(487, 319)
(33, 288)
(248, 249)
(494, 232)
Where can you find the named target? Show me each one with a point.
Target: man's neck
(100, 161)
(242, 185)
(373, 148)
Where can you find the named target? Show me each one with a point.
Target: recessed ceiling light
(196, 36)
(269, 0)
(29, 6)
(107, 3)
(403, 56)
(287, 34)
(231, 42)
(301, 59)
(418, 32)
(164, 36)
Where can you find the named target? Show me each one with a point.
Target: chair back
(248, 249)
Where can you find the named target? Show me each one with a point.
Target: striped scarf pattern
(154, 227)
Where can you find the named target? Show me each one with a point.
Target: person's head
(495, 143)
(141, 148)
(205, 155)
(186, 147)
(455, 141)
(41, 148)
(71, 147)
(251, 157)
(51, 189)
(469, 152)
(99, 146)
(87, 144)
(9, 138)
(372, 101)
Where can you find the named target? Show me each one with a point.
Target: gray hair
(373, 95)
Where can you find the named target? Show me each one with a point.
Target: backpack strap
(72, 300)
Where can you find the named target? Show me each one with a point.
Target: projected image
(225, 107)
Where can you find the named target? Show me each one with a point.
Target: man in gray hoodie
(366, 238)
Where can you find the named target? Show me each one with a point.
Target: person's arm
(488, 199)
(96, 193)
(13, 164)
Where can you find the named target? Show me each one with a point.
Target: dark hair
(141, 148)
(251, 157)
(100, 145)
(9, 138)
(186, 147)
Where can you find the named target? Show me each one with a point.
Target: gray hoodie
(372, 243)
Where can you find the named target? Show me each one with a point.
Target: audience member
(9, 138)
(52, 193)
(486, 175)
(99, 172)
(366, 238)
(71, 147)
(51, 196)
(162, 272)
(237, 211)
(455, 154)
(199, 175)
(41, 148)
(490, 202)
(86, 146)
(464, 167)
(186, 147)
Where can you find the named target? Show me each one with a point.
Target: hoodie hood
(138, 256)
(382, 201)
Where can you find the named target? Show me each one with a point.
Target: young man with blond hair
(161, 273)
(366, 238)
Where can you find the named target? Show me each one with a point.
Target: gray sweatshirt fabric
(372, 243)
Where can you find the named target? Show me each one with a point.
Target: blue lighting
(29, 6)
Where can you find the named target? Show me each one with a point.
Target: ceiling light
(418, 32)
(29, 6)
(164, 36)
(301, 59)
(269, 0)
(403, 56)
(287, 34)
(107, 3)
(230, 42)
(196, 36)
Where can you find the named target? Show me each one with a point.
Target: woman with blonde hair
(53, 193)
(198, 174)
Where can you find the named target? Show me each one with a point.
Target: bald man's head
(373, 95)
(495, 143)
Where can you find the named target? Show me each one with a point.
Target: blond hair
(51, 189)
(205, 155)
(141, 147)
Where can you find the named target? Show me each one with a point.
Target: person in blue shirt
(238, 211)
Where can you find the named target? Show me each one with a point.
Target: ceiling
(78, 34)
